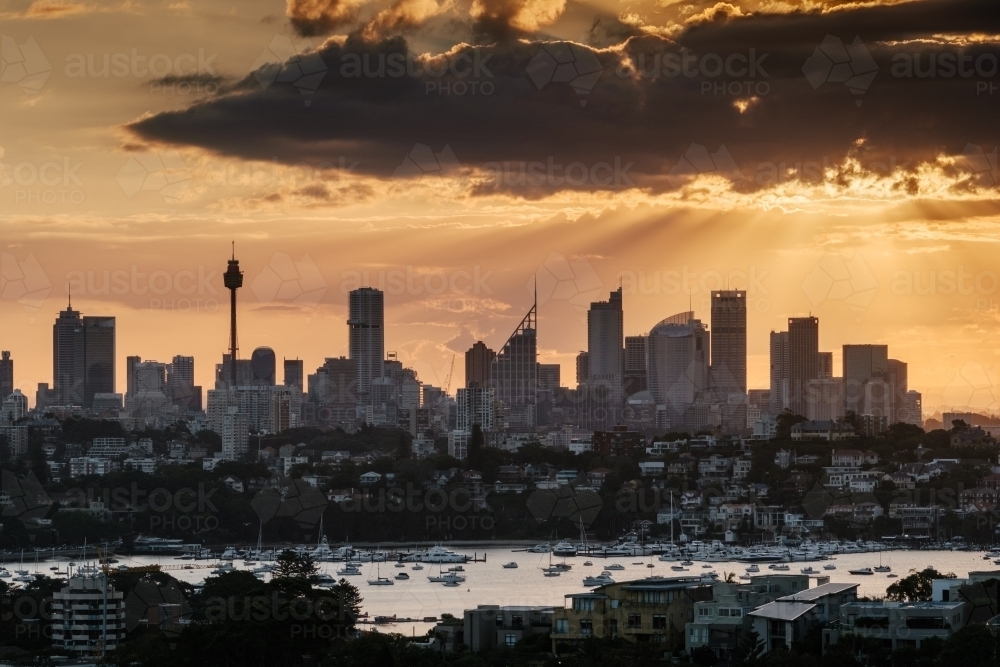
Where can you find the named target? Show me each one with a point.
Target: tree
(785, 421)
(290, 565)
(915, 587)
(703, 656)
(474, 455)
(972, 646)
(750, 652)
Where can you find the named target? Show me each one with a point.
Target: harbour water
(490, 583)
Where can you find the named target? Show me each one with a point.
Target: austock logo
(23, 281)
(423, 161)
(297, 500)
(23, 498)
(566, 502)
(560, 278)
(835, 62)
(160, 607)
(698, 160)
(165, 173)
(837, 278)
(287, 281)
(563, 62)
(284, 62)
(23, 64)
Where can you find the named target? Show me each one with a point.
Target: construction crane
(451, 371)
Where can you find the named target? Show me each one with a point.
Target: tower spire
(233, 280)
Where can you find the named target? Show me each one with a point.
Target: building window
(517, 622)
(586, 627)
(510, 639)
(562, 626)
(614, 604)
(634, 621)
(659, 621)
(583, 604)
(704, 611)
(613, 627)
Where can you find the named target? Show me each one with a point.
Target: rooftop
(783, 610)
(815, 593)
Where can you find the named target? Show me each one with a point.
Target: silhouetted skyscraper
(582, 367)
(866, 379)
(779, 372)
(6, 375)
(606, 358)
(548, 376)
(514, 376)
(99, 357)
(83, 357)
(294, 373)
(366, 325)
(729, 342)
(478, 362)
(803, 360)
(635, 365)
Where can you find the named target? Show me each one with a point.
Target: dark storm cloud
(650, 112)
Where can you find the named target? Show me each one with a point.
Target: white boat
(600, 580)
(551, 573)
(614, 566)
(564, 549)
(229, 554)
(780, 568)
(418, 566)
(4, 574)
(587, 563)
(829, 566)
(510, 566)
(753, 568)
(863, 570)
(402, 576)
(324, 579)
(809, 570)
(221, 569)
(543, 548)
(436, 554)
(883, 568)
(400, 565)
(380, 581)
(446, 577)
(349, 570)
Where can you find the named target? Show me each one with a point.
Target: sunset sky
(833, 158)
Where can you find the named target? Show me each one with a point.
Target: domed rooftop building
(678, 362)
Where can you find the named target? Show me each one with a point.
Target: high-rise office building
(474, 406)
(263, 365)
(778, 398)
(83, 357)
(635, 365)
(67, 357)
(866, 380)
(294, 373)
(677, 373)
(898, 389)
(606, 361)
(6, 375)
(514, 376)
(803, 360)
(99, 357)
(478, 362)
(184, 393)
(582, 368)
(729, 342)
(825, 365)
(366, 328)
(549, 376)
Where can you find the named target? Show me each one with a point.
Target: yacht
(551, 573)
(678, 568)
(809, 570)
(602, 579)
(349, 570)
(4, 573)
(614, 566)
(436, 554)
(221, 569)
(882, 568)
(829, 566)
(324, 579)
(380, 581)
(510, 566)
(400, 565)
(229, 554)
(780, 568)
(564, 549)
(863, 570)
(587, 563)
(446, 577)
(543, 548)
(418, 566)
(753, 568)
(402, 576)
